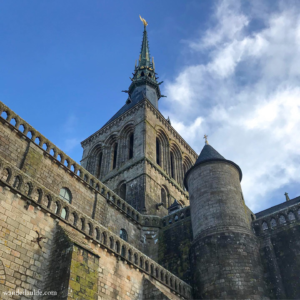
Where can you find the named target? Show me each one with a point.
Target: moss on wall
(84, 275)
(174, 247)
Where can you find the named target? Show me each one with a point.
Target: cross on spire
(205, 137)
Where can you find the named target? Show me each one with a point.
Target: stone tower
(225, 252)
(137, 153)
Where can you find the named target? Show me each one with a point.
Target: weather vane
(205, 137)
(144, 21)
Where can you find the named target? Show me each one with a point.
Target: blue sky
(231, 69)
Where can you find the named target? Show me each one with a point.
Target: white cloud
(246, 96)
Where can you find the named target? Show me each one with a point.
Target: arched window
(158, 152)
(123, 234)
(172, 165)
(99, 165)
(114, 158)
(122, 192)
(163, 197)
(142, 74)
(131, 137)
(65, 194)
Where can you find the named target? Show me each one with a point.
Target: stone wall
(32, 172)
(175, 240)
(279, 232)
(88, 196)
(67, 254)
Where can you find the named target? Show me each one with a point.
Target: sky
(231, 70)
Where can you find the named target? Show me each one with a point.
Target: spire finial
(205, 137)
(144, 21)
(287, 198)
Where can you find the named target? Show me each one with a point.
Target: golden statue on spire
(144, 21)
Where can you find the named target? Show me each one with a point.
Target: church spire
(144, 59)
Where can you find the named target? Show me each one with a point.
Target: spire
(144, 70)
(145, 54)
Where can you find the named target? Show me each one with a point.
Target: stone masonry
(142, 217)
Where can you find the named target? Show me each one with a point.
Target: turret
(225, 252)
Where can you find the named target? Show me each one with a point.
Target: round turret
(225, 259)
(216, 197)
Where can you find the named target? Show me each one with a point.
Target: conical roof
(209, 154)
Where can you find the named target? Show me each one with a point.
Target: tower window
(142, 74)
(115, 152)
(172, 166)
(99, 165)
(131, 137)
(123, 234)
(158, 151)
(65, 194)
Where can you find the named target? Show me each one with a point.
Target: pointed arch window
(99, 164)
(158, 152)
(131, 139)
(115, 153)
(172, 165)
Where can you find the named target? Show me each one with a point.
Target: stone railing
(176, 216)
(38, 196)
(69, 165)
(277, 220)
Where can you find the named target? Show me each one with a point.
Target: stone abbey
(142, 217)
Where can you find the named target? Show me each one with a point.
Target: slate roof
(208, 153)
(278, 207)
(121, 111)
